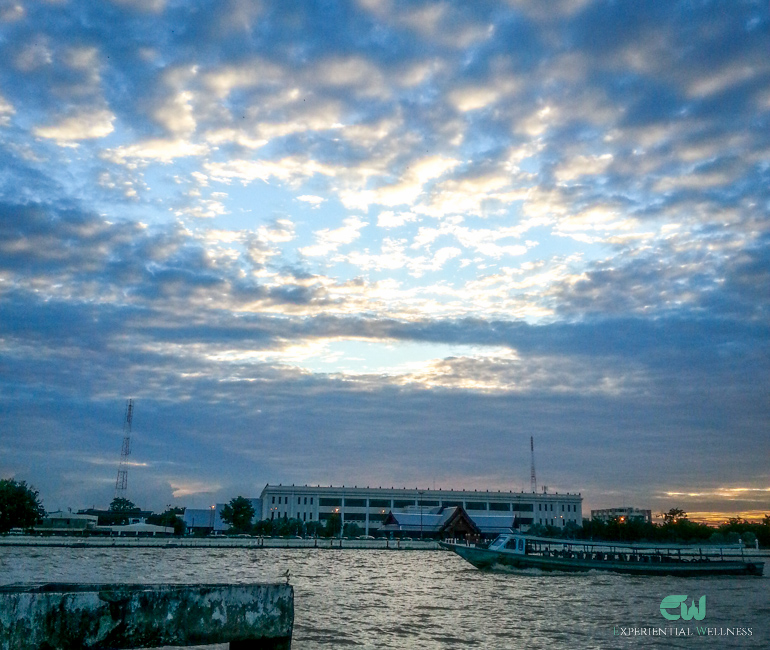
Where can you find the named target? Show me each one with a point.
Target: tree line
(676, 528)
(239, 514)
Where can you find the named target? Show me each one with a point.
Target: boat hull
(486, 559)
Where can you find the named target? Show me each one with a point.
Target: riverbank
(216, 542)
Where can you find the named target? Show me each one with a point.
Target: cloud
(185, 488)
(405, 191)
(355, 73)
(330, 240)
(84, 126)
(161, 150)
(11, 12)
(34, 55)
(176, 114)
(389, 219)
(582, 165)
(313, 200)
(584, 184)
(152, 6)
(6, 111)
(290, 169)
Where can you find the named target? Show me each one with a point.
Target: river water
(348, 598)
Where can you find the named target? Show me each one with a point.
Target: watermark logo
(686, 613)
(675, 608)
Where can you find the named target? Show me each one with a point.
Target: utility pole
(533, 480)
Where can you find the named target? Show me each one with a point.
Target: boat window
(511, 544)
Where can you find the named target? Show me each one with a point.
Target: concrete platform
(101, 616)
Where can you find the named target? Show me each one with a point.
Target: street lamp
(420, 492)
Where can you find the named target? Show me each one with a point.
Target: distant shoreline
(225, 542)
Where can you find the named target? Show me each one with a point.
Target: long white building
(368, 507)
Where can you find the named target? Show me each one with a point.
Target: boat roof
(644, 545)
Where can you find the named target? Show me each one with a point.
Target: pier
(101, 616)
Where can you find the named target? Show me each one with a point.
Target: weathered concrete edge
(134, 616)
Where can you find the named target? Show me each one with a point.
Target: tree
(170, 519)
(118, 512)
(121, 504)
(238, 513)
(266, 527)
(314, 528)
(673, 515)
(333, 525)
(352, 530)
(19, 505)
(749, 538)
(288, 527)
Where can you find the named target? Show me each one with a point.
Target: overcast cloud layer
(382, 243)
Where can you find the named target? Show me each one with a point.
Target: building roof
(494, 523)
(432, 522)
(59, 514)
(414, 522)
(424, 493)
(448, 521)
(139, 528)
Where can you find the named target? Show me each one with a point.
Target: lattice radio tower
(121, 483)
(532, 474)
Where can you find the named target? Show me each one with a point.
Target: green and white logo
(670, 602)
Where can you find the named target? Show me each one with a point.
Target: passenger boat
(519, 551)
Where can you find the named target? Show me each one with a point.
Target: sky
(379, 242)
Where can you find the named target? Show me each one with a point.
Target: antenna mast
(533, 480)
(121, 483)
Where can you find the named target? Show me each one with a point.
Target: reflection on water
(425, 599)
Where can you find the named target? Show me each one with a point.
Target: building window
(311, 501)
(326, 502)
(402, 503)
(305, 500)
(304, 516)
(500, 506)
(523, 507)
(552, 507)
(562, 508)
(273, 499)
(379, 503)
(475, 505)
(355, 503)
